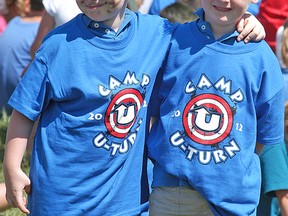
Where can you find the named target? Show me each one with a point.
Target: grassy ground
(4, 120)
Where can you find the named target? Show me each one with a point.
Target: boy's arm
(282, 196)
(15, 179)
(259, 148)
(152, 120)
(250, 29)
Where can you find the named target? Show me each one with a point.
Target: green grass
(12, 212)
(4, 121)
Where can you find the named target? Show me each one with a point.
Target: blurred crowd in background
(24, 23)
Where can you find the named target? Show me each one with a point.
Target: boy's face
(106, 11)
(225, 12)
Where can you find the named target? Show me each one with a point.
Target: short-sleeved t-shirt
(91, 87)
(217, 99)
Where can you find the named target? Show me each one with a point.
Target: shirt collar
(205, 28)
(101, 30)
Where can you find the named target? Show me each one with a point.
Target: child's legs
(177, 201)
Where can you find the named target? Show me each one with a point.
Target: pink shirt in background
(2, 24)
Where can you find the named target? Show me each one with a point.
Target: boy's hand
(15, 185)
(250, 29)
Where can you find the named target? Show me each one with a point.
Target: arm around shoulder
(259, 148)
(250, 29)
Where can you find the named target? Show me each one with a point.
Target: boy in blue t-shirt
(217, 98)
(89, 85)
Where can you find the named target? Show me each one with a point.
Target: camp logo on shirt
(121, 113)
(120, 118)
(208, 120)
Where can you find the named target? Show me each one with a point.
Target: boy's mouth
(94, 6)
(222, 9)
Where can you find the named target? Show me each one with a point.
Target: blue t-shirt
(91, 87)
(217, 97)
(15, 43)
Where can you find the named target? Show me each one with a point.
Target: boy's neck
(221, 27)
(220, 30)
(116, 22)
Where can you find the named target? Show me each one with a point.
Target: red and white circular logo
(122, 111)
(207, 119)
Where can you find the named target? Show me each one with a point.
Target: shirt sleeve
(270, 120)
(274, 168)
(269, 102)
(33, 92)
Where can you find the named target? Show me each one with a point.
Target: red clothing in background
(272, 14)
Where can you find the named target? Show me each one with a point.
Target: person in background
(272, 14)
(180, 11)
(15, 8)
(57, 12)
(3, 24)
(274, 169)
(15, 44)
(217, 99)
(9, 9)
(284, 54)
(89, 154)
(3, 10)
(279, 47)
(61, 10)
